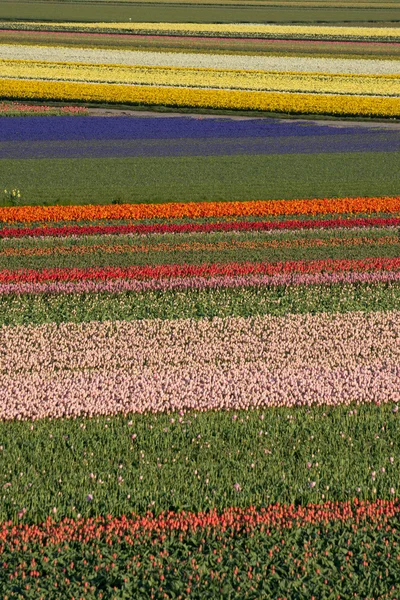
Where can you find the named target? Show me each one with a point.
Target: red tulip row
(198, 227)
(236, 520)
(203, 270)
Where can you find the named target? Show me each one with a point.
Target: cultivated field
(199, 300)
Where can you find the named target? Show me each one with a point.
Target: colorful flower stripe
(229, 30)
(209, 78)
(280, 102)
(56, 35)
(175, 210)
(198, 283)
(65, 394)
(201, 44)
(353, 555)
(204, 270)
(130, 528)
(17, 107)
(284, 342)
(75, 230)
(195, 246)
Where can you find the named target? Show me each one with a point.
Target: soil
(115, 112)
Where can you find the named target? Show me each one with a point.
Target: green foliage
(193, 461)
(202, 179)
(280, 300)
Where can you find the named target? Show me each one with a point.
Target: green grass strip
(174, 304)
(202, 179)
(193, 462)
(191, 13)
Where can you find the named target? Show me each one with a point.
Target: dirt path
(110, 112)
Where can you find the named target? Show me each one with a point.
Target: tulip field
(340, 70)
(199, 300)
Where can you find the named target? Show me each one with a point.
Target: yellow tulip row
(191, 97)
(382, 85)
(221, 30)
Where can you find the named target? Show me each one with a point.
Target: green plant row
(174, 304)
(128, 258)
(197, 461)
(189, 12)
(211, 237)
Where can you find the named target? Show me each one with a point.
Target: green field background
(193, 12)
(201, 179)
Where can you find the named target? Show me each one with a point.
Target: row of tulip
(59, 394)
(322, 83)
(171, 271)
(93, 59)
(269, 560)
(118, 286)
(134, 528)
(324, 48)
(208, 227)
(215, 30)
(280, 102)
(195, 210)
(278, 343)
(132, 248)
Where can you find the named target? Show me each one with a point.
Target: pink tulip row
(181, 283)
(222, 363)
(201, 388)
(33, 108)
(277, 342)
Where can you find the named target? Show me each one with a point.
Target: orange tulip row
(175, 210)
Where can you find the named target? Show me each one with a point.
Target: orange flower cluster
(176, 210)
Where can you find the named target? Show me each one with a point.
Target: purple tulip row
(373, 141)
